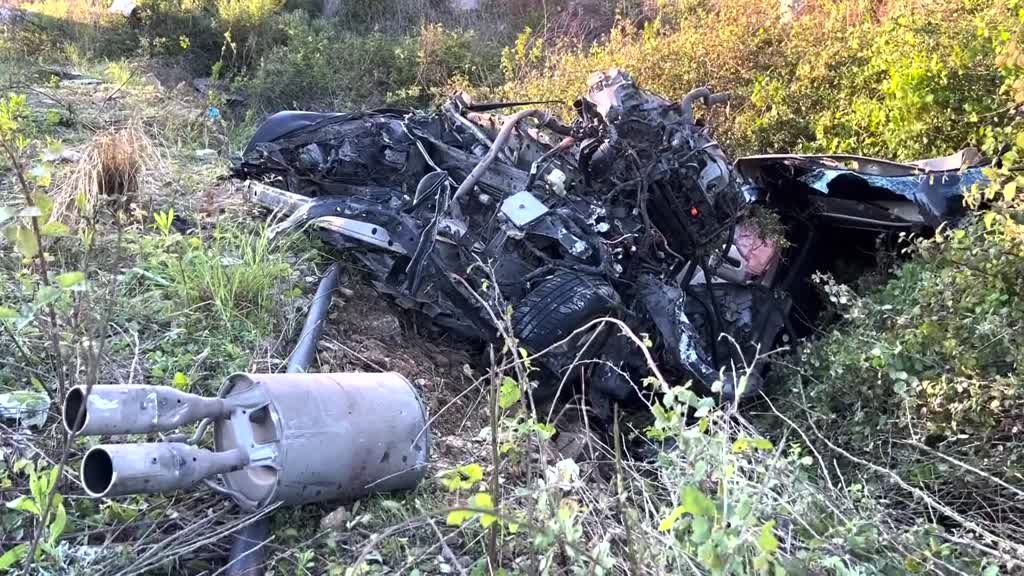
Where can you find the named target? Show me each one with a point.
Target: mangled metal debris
(630, 210)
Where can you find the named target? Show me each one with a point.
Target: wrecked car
(630, 210)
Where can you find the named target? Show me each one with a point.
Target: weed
(110, 171)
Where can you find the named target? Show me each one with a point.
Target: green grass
(220, 298)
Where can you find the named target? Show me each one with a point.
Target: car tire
(558, 306)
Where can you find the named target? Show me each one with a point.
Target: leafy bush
(930, 360)
(834, 78)
(72, 31)
(906, 87)
(319, 66)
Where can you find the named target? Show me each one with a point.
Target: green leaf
(989, 219)
(704, 406)
(483, 500)
(180, 381)
(7, 213)
(7, 313)
(52, 482)
(60, 520)
(23, 239)
(44, 203)
(463, 477)
(744, 444)
(696, 503)
(53, 229)
(509, 393)
(480, 500)
(545, 430)
(1010, 191)
(766, 541)
(69, 279)
(25, 504)
(12, 556)
(668, 522)
(47, 295)
(701, 527)
(82, 201)
(458, 517)
(991, 570)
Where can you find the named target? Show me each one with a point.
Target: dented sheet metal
(936, 195)
(629, 209)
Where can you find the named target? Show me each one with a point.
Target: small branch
(967, 467)
(44, 274)
(493, 557)
(634, 566)
(1017, 548)
(92, 375)
(446, 551)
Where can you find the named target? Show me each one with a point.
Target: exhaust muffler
(135, 409)
(151, 468)
(288, 438)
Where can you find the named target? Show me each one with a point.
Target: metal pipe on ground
(137, 409)
(305, 349)
(247, 554)
(150, 468)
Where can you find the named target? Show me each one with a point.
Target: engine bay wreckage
(631, 210)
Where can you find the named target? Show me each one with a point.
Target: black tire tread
(541, 318)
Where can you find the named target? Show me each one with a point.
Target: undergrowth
(889, 444)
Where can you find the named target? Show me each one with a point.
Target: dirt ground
(365, 331)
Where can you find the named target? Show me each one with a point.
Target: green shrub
(317, 65)
(834, 78)
(935, 356)
(73, 32)
(909, 86)
(722, 44)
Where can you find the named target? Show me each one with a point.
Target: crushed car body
(631, 210)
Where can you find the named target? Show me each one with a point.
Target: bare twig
(493, 557)
(967, 467)
(634, 566)
(1017, 548)
(445, 550)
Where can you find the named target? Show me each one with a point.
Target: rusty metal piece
(137, 409)
(150, 468)
(315, 437)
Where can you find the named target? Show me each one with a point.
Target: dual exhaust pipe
(289, 438)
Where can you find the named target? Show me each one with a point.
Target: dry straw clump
(112, 169)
